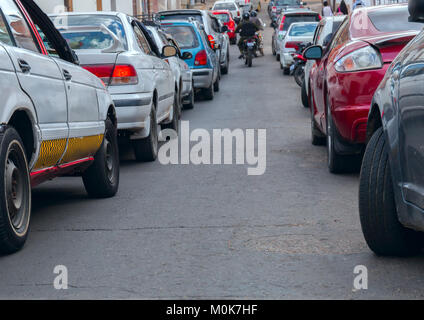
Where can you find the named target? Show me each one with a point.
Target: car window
(342, 35)
(19, 27)
(184, 35)
(197, 17)
(223, 17)
(398, 17)
(289, 20)
(224, 6)
(4, 32)
(304, 30)
(142, 41)
(97, 34)
(281, 3)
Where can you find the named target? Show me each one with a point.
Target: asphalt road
(200, 232)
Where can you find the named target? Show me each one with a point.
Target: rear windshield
(184, 35)
(282, 3)
(223, 17)
(197, 17)
(224, 6)
(398, 18)
(303, 30)
(299, 18)
(95, 36)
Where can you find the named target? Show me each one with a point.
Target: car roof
(181, 11)
(98, 13)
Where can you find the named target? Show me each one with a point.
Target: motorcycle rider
(247, 30)
(256, 20)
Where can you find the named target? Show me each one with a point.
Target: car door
(411, 123)
(41, 78)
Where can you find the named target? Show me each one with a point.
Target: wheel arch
(374, 121)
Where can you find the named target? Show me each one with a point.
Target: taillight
(292, 45)
(274, 9)
(282, 23)
(114, 75)
(211, 41)
(231, 25)
(201, 58)
(238, 13)
(319, 17)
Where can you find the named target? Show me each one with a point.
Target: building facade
(131, 7)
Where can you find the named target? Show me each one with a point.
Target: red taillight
(201, 58)
(114, 75)
(211, 41)
(231, 24)
(274, 9)
(293, 45)
(282, 23)
(319, 17)
(238, 13)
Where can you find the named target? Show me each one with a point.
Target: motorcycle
(297, 69)
(249, 48)
(260, 43)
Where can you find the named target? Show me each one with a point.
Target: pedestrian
(326, 11)
(357, 4)
(342, 9)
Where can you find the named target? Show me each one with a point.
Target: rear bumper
(132, 110)
(231, 35)
(351, 122)
(202, 78)
(287, 60)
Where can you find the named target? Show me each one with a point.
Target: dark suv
(275, 7)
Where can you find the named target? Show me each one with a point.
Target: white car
(231, 6)
(299, 32)
(182, 73)
(118, 49)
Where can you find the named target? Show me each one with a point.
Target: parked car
(56, 118)
(216, 33)
(344, 79)
(323, 35)
(298, 33)
(276, 7)
(391, 196)
(117, 48)
(182, 72)
(227, 20)
(231, 6)
(284, 22)
(193, 39)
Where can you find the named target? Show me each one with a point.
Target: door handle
(25, 67)
(67, 75)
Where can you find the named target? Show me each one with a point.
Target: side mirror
(169, 51)
(313, 53)
(187, 56)
(75, 56)
(224, 29)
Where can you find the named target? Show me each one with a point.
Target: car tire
(16, 195)
(224, 70)
(190, 99)
(101, 179)
(233, 40)
(304, 94)
(383, 232)
(273, 50)
(286, 71)
(337, 163)
(216, 85)
(174, 124)
(146, 149)
(277, 57)
(209, 93)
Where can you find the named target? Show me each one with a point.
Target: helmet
(246, 16)
(253, 13)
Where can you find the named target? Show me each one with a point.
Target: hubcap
(109, 160)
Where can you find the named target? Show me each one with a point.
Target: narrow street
(210, 231)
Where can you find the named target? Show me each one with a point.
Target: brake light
(274, 9)
(114, 75)
(292, 45)
(211, 41)
(319, 17)
(282, 23)
(201, 58)
(238, 13)
(231, 25)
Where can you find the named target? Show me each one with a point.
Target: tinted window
(4, 33)
(223, 17)
(299, 18)
(142, 41)
(19, 27)
(304, 30)
(197, 17)
(94, 37)
(224, 6)
(184, 35)
(398, 18)
(281, 3)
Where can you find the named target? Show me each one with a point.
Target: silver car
(55, 119)
(118, 49)
(299, 32)
(182, 73)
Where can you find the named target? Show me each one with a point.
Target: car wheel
(190, 100)
(175, 121)
(317, 137)
(101, 179)
(273, 49)
(286, 71)
(15, 199)
(146, 149)
(304, 95)
(337, 163)
(277, 57)
(216, 85)
(383, 232)
(224, 70)
(208, 93)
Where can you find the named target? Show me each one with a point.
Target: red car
(346, 74)
(226, 19)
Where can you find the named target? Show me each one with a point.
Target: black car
(275, 7)
(391, 192)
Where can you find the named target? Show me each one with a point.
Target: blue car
(204, 63)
